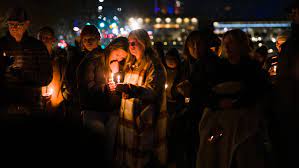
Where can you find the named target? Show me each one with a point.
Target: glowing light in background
(115, 31)
(270, 51)
(194, 20)
(168, 20)
(158, 20)
(76, 29)
(139, 20)
(113, 25)
(102, 24)
(115, 18)
(186, 20)
(179, 20)
(134, 25)
(131, 20)
(62, 44)
(147, 20)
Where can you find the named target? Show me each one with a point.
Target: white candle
(48, 91)
(118, 79)
(112, 77)
(51, 91)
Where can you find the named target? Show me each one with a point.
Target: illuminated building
(260, 32)
(172, 31)
(169, 7)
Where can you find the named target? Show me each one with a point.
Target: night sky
(47, 11)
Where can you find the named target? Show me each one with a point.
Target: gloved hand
(122, 87)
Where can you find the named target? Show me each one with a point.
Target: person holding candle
(59, 61)
(116, 54)
(141, 135)
(31, 68)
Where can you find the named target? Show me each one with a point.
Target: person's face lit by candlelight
(136, 48)
(117, 51)
(90, 42)
(17, 29)
(116, 56)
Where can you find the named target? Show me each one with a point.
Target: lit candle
(187, 100)
(166, 86)
(112, 77)
(118, 78)
(48, 91)
(51, 91)
(274, 68)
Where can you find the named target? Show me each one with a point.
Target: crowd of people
(220, 103)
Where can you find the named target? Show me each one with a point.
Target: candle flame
(47, 91)
(51, 91)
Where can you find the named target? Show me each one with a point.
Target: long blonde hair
(143, 38)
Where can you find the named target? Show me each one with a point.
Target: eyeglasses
(132, 43)
(15, 24)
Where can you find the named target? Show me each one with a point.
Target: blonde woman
(142, 128)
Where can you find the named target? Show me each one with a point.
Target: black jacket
(205, 73)
(91, 80)
(22, 81)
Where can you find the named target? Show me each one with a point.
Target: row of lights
(169, 43)
(167, 20)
